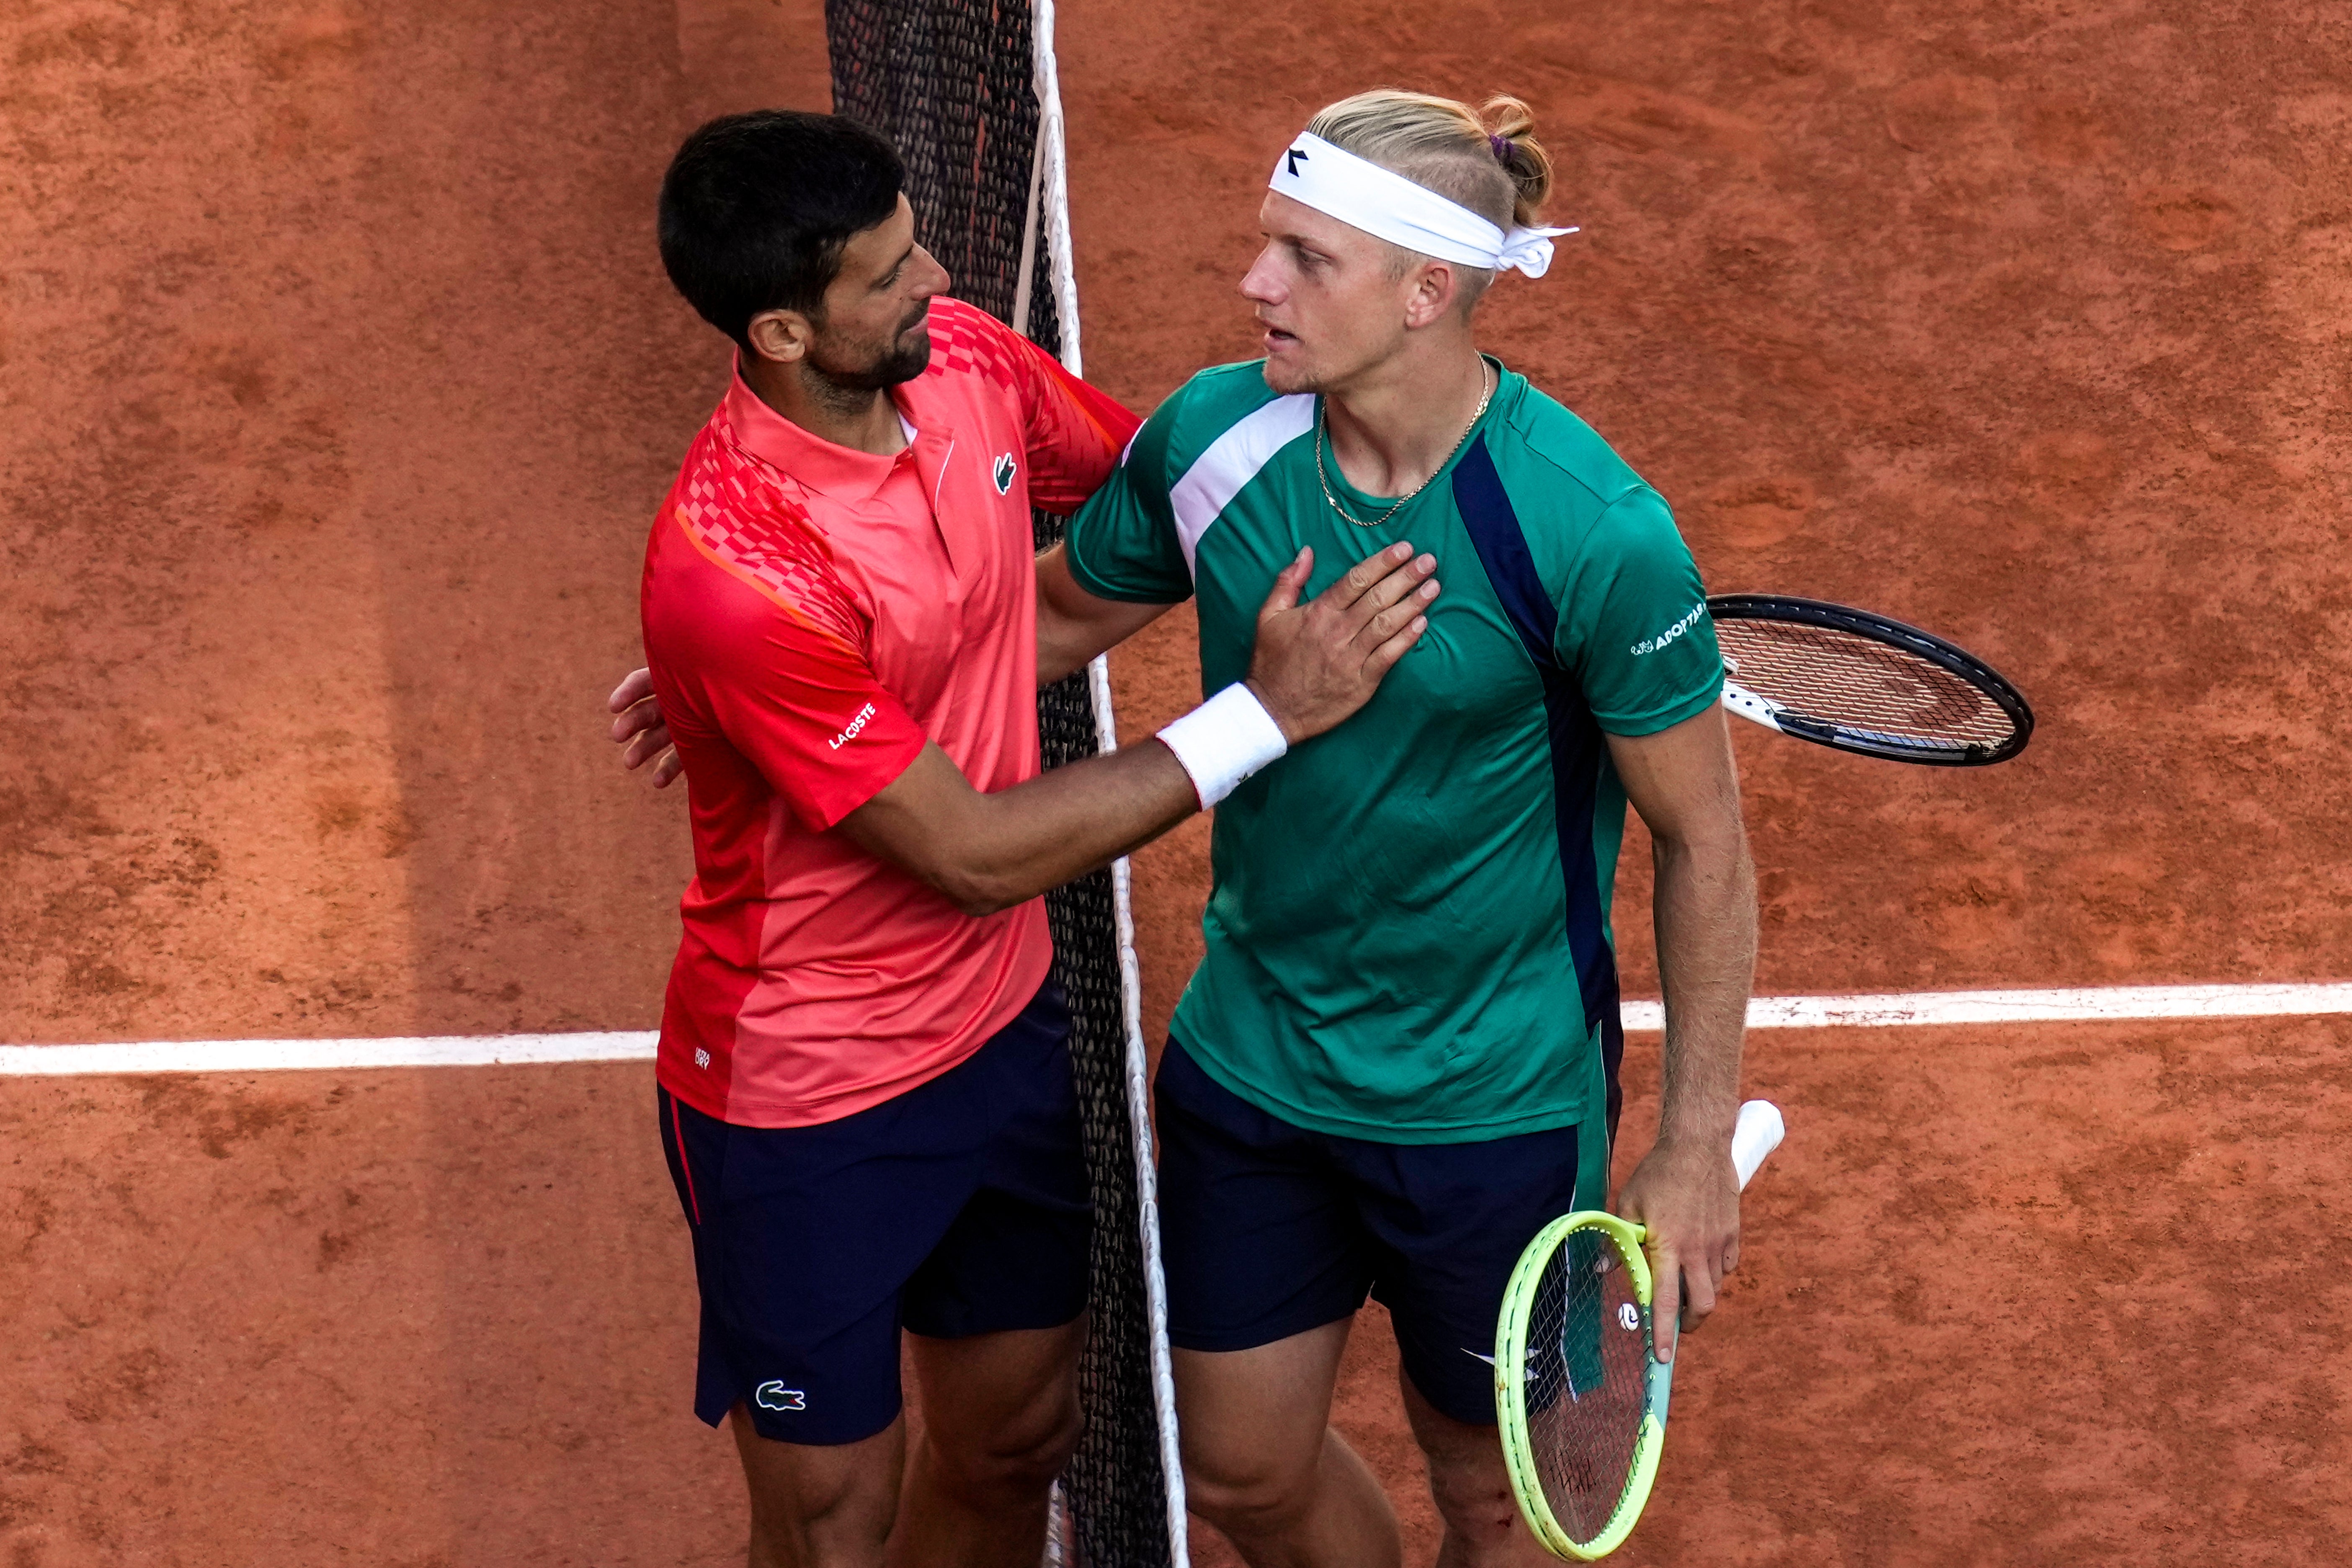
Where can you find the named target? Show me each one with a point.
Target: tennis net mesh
(969, 93)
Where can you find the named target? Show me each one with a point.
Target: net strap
(1049, 208)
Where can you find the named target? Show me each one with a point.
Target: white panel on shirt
(1232, 461)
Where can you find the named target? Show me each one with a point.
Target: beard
(1292, 379)
(901, 360)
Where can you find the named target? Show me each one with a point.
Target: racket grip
(1757, 1134)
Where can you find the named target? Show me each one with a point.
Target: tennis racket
(1579, 1389)
(1860, 682)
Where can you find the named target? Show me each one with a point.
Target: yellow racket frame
(1511, 1389)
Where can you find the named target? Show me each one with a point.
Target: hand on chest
(1469, 669)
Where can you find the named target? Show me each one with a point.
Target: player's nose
(1263, 282)
(939, 282)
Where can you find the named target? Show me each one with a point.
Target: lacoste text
(855, 725)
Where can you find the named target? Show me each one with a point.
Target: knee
(1037, 1457)
(1017, 1458)
(1248, 1494)
(1476, 1501)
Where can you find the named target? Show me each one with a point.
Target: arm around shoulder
(984, 853)
(1315, 664)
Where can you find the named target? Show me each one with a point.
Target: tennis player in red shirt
(865, 1091)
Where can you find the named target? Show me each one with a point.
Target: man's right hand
(640, 728)
(1318, 663)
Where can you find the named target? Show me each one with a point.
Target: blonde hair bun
(1511, 134)
(1488, 160)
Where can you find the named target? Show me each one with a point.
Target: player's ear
(783, 336)
(1435, 286)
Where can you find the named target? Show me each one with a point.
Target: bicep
(930, 804)
(1122, 545)
(1068, 612)
(1682, 779)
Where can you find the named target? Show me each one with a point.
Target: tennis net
(969, 93)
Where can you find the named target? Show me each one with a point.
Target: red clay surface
(338, 382)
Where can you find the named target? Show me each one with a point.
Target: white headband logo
(1386, 204)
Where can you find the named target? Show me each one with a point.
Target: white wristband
(1224, 740)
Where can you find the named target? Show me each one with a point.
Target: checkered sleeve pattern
(795, 692)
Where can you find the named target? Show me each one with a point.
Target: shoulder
(732, 550)
(1547, 449)
(1226, 400)
(966, 338)
(1574, 496)
(974, 356)
(1219, 396)
(1581, 509)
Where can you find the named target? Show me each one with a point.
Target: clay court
(341, 381)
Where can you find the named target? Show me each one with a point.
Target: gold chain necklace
(1486, 391)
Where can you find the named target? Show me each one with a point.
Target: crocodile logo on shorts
(776, 1397)
(1002, 474)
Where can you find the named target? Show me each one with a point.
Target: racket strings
(1858, 683)
(1587, 1382)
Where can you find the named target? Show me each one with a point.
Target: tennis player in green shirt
(1397, 1057)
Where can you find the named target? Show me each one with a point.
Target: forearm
(1705, 911)
(990, 852)
(1065, 823)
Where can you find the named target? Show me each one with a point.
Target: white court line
(276, 1055)
(1926, 1007)
(2084, 1005)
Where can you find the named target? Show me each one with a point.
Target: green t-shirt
(1408, 934)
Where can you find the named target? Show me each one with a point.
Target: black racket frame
(1894, 634)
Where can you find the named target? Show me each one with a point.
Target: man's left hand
(1686, 1195)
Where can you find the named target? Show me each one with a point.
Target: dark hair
(756, 208)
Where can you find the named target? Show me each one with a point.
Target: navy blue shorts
(1270, 1230)
(958, 1208)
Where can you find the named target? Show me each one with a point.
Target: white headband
(1384, 204)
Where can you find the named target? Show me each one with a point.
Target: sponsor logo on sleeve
(776, 1397)
(1652, 645)
(1002, 474)
(856, 724)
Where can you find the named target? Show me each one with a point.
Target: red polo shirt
(812, 615)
